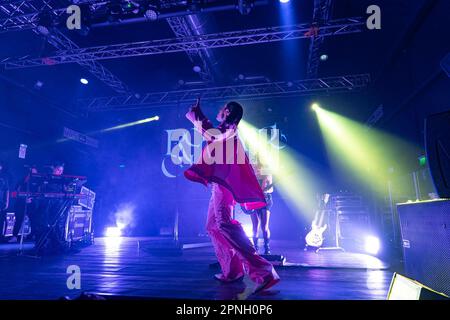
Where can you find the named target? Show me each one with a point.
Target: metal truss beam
(20, 11)
(23, 15)
(321, 15)
(188, 26)
(61, 42)
(340, 84)
(217, 40)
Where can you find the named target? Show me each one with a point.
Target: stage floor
(151, 267)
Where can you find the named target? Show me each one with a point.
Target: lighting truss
(216, 40)
(61, 42)
(321, 15)
(25, 13)
(340, 84)
(188, 26)
(22, 15)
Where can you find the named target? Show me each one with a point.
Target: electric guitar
(315, 237)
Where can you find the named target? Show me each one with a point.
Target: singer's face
(223, 114)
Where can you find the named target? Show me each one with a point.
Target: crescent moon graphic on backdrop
(164, 170)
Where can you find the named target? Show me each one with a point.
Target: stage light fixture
(131, 124)
(324, 57)
(113, 232)
(315, 107)
(38, 85)
(245, 6)
(197, 69)
(151, 14)
(284, 1)
(372, 245)
(84, 81)
(46, 20)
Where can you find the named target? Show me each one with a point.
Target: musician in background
(57, 168)
(49, 208)
(261, 217)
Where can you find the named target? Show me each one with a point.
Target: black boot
(266, 246)
(255, 243)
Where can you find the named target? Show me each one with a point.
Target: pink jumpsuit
(231, 183)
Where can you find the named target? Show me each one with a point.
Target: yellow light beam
(368, 155)
(297, 183)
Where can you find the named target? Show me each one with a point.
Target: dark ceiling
(356, 53)
(366, 52)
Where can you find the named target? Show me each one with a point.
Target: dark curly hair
(236, 113)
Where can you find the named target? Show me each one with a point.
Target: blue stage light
(84, 81)
(372, 245)
(113, 232)
(284, 1)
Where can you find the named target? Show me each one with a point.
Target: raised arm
(201, 122)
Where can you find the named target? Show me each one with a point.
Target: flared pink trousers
(233, 248)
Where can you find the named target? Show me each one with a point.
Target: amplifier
(425, 231)
(8, 224)
(78, 224)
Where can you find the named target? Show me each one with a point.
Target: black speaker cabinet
(437, 142)
(403, 288)
(425, 231)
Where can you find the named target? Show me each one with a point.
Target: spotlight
(315, 107)
(197, 69)
(131, 124)
(324, 57)
(284, 1)
(248, 229)
(372, 245)
(113, 232)
(43, 30)
(84, 81)
(151, 14)
(245, 6)
(38, 85)
(46, 21)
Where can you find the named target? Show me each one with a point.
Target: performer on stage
(49, 209)
(232, 181)
(261, 216)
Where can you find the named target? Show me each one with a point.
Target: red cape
(238, 177)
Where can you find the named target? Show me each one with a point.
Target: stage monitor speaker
(437, 140)
(403, 288)
(425, 231)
